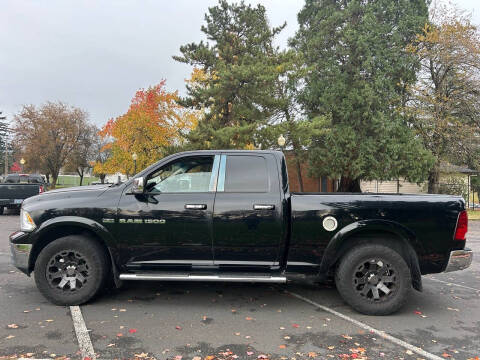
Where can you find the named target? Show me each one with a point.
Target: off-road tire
(93, 254)
(350, 270)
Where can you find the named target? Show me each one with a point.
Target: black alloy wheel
(373, 278)
(71, 270)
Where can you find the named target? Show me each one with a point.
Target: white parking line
(84, 342)
(452, 284)
(364, 326)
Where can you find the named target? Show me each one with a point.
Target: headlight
(26, 221)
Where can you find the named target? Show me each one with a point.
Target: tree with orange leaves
(154, 123)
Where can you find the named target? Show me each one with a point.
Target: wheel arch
(390, 233)
(59, 227)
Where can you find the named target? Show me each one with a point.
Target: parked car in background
(15, 188)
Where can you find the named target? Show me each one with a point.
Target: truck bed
(426, 221)
(12, 195)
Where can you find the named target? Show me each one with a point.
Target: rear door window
(246, 173)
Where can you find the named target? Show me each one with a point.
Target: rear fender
(401, 238)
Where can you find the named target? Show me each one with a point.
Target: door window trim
(221, 175)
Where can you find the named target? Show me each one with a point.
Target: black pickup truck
(229, 216)
(18, 187)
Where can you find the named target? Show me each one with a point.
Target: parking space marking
(364, 326)
(84, 341)
(452, 284)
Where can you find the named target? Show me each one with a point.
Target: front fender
(334, 248)
(74, 221)
(68, 225)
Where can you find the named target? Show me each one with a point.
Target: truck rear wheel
(374, 279)
(71, 270)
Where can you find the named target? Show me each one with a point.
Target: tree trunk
(102, 178)
(80, 173)
(433, 180)
(299, 173)
(349, 185)
(54, 181)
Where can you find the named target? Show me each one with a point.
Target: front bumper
(459, 260)
(20, 253)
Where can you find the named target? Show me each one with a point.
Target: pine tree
(357, 73)
(239, 73)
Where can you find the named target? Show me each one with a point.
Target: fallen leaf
(312, 354)
(141, 355)
(286, 337)
(248, 318)
(237, 333)
(331, 347)
(119, 334)
(282, 346)
(196, 358)
(347, 337)
(13, 326)
(110, 345)
(178, 327)
(295, 325)
(123, 310)
(48, 320)
(132, 331)
(452, 309)
(445, 355)
(10, 337)
(417, 312)
(178, 357)
(249, 353)
(409, 352)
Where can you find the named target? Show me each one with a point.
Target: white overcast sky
(96, 54)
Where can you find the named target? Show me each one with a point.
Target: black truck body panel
(271, 230)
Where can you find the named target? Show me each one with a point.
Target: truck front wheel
(71, 270)
(374, 279)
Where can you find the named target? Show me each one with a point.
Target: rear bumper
(459, 260)
(20, 253)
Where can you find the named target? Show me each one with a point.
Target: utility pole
(6, 145)
(6, 157)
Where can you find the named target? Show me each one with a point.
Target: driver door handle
(263, 207)
(196, 206)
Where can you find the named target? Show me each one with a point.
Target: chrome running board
(197, 277)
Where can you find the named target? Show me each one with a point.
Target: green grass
(474, 215)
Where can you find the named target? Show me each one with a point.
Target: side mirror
(138, 186)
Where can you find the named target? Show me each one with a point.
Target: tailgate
(18, 191)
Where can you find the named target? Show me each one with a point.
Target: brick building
(310, 184)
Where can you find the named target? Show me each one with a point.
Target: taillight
(41, 189)
(462, 226)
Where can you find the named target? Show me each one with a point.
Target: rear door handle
(263, 207)
(196, 206)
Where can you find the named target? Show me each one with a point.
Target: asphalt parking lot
(207, 321)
